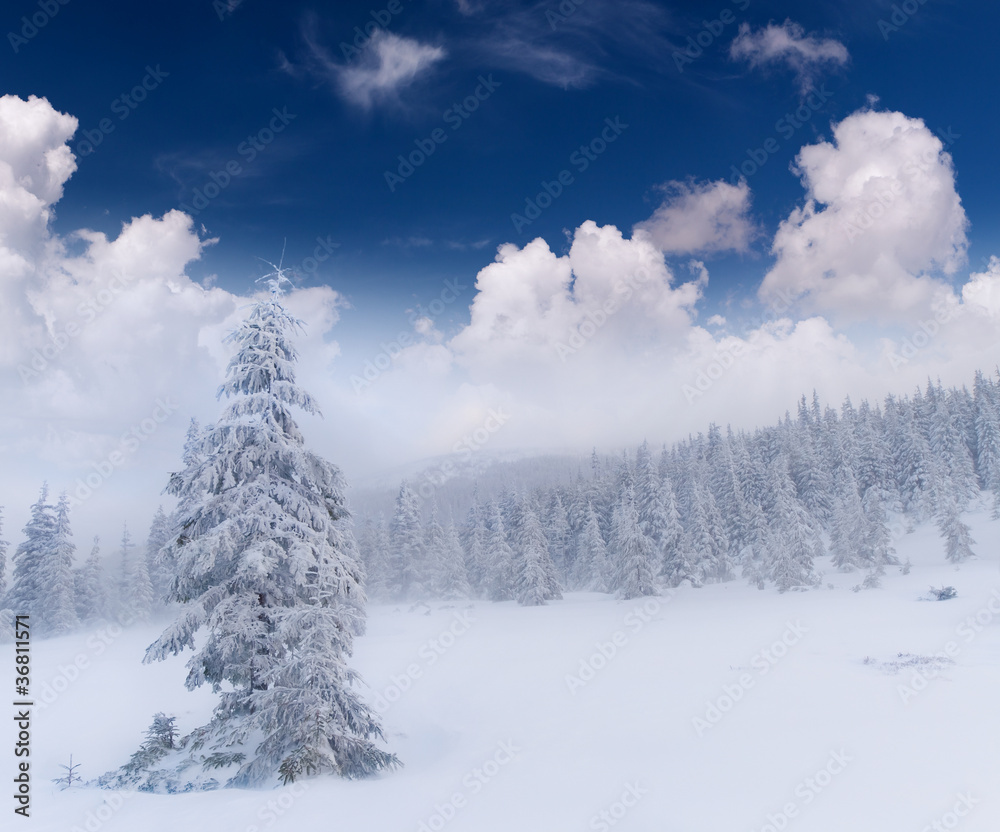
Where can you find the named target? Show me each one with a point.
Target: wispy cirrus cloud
(788, 44)
(389, 64)
(569, 46)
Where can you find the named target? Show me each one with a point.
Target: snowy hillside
(510, 718)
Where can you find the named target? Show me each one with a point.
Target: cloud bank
(108, 347)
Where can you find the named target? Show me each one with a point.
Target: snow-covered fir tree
(847, 529)
(633, 564)
(701, 552)
(949, 445)
(451, 578)
(406, 556)
(792, 545)
(754, 555)
(558, 535)
(499, 574)
(3, 561)
(143, 771)
(987, 425)
(374, 546)
(662, 522)
(27, 588)
(474, 547)
(535, 579)
(594, 572)
(956, 533)
(878, 540)
(433, 553)
(57, 604)
(267, 573)
(159, 569)
(136, 589)
(89, 582)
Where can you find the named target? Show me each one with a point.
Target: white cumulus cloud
(881, 217)
(701, 218)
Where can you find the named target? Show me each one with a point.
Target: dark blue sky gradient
(323, 176)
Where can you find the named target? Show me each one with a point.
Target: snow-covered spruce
(42, 580)
(595, 568)
(634, 572)
(3, 561)
(452, 576)
(956, 533)
(135, 588)
(158, 568)
(499, 571)
(535, 579)
(373, 544)
(266, 566)
(57, 608)
(406, 558)
(6, 615)
(89, 581)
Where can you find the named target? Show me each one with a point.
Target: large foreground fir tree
(266, 566)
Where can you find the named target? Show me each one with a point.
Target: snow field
(499, 729)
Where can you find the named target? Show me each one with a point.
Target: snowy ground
(505, 721)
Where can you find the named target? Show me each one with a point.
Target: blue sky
(653, 290)
(561, 77)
